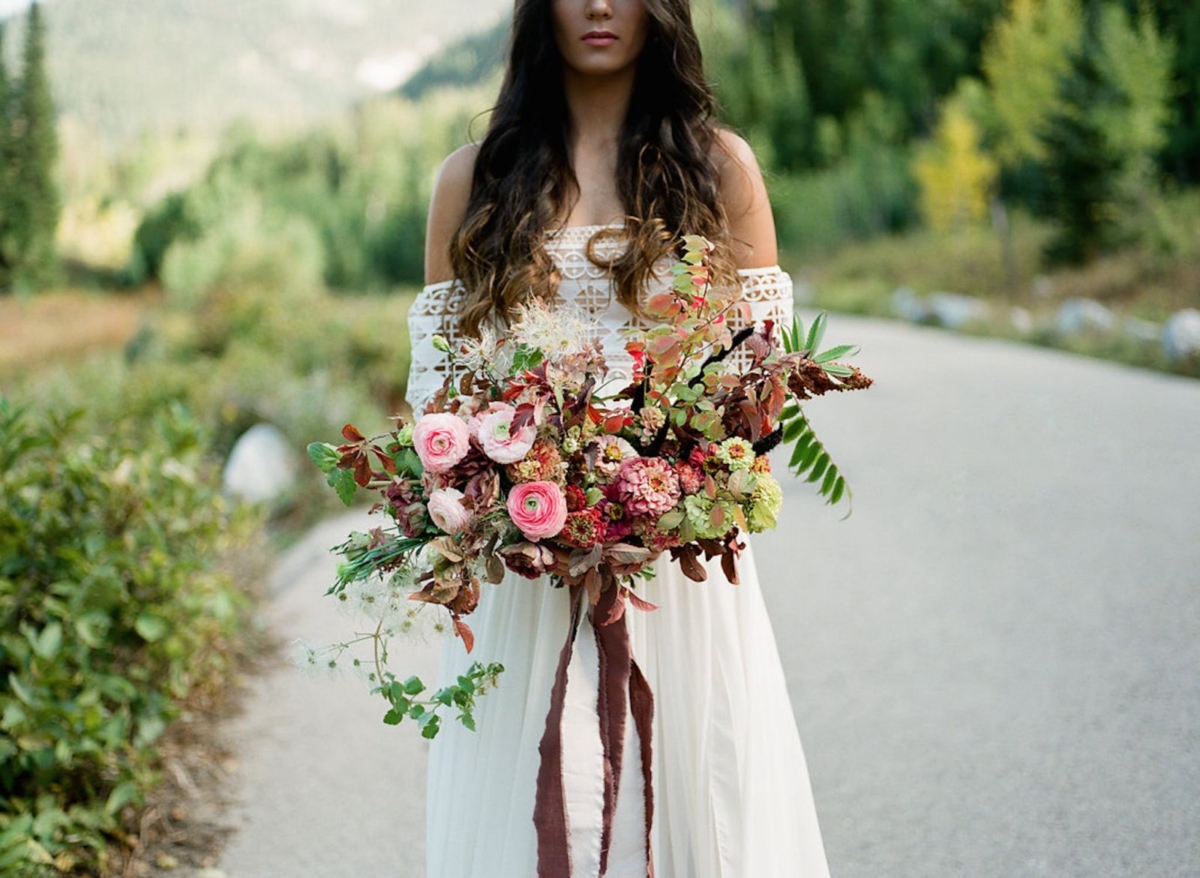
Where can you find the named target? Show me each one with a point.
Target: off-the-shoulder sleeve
(435, 312)
(768, 292)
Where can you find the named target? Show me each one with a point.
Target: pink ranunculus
(539, 509)
(497, 439)
(476, 414)
(447, 511)
(441, 441)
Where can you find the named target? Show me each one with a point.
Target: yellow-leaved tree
(955, 175)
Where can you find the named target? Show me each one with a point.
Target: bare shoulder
(744, 197)
(447, 207)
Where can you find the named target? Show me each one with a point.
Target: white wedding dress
(731, 791)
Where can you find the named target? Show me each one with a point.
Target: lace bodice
(584, 284)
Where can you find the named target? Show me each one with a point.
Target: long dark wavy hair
(523, 181)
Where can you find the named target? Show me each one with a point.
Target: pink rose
(497, 439)
(539, 509)
(441, 441)
(447, 511)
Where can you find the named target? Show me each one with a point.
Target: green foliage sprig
(810, 459)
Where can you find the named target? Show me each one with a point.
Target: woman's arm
(447, 207)
(744, 196)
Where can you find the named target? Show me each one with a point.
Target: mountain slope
(200, 64)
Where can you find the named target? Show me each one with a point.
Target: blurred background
(211, 228)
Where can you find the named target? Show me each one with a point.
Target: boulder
(907, 305)
(261, 467)
(955, 311)
(1181, 335)
(1079, 316)
(1021, 319)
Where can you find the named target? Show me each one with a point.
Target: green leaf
(670, 520)
(837, 370)
(792, 344)
(793, 430)
(342, 481)
(816, 332)
(151, 628)
(430, 729)
(839, 488)
(393, 717)
(810, 455)
(830, 478)
(819, 466)
(47, 644)
(841, 350)
(324, 455)
(123, 794)
(467, 720)
(413, 686)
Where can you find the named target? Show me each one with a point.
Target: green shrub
(113, 614)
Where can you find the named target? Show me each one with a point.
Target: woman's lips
(600, 38)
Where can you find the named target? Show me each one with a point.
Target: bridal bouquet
(537, 460)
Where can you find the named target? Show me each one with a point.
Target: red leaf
(362, 471)
(463, 630)
(644, 606)
(351, 434)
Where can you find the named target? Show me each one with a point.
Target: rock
(1181, 334)
(262, 466)
(1078, 316)
(1142, 330)
(955, 311)
(907, 305)
(1021, 319)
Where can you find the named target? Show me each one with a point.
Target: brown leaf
(729, 565)
(464, 631)
(643, 605)
(351, 434)
(690, 565)
(362, 471)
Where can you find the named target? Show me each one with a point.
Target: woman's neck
(596, 108)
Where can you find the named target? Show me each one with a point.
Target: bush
(113, 614)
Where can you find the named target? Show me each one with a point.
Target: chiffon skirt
(732, 797)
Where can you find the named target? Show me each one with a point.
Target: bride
(601, 152)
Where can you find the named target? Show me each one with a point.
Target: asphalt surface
(994, 662)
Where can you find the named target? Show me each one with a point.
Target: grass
(65, 325)
(1147, 282)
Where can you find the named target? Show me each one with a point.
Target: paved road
(995, 662)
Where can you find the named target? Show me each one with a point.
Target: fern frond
(811, 460)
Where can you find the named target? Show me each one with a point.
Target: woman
(600, 153)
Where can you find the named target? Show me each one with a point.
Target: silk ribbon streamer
(622, 690)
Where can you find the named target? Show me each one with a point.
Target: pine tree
(1083, 167)
(38, 204)
(7, 244)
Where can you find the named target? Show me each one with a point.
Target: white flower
(555, 331)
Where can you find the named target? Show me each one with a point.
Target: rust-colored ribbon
(622, 690)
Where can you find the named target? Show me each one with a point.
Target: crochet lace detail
(588, 286)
